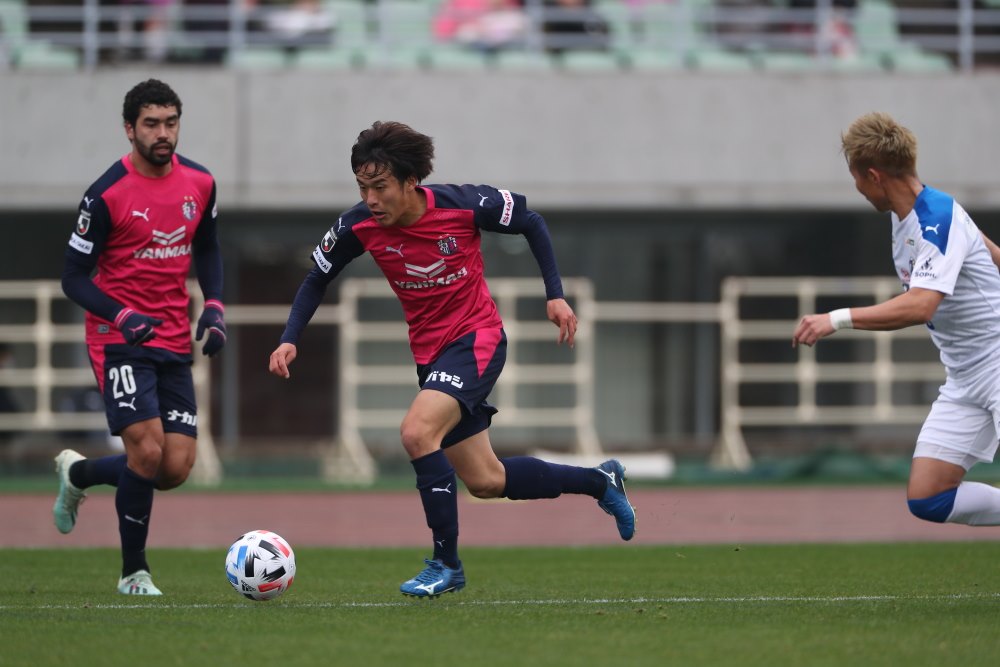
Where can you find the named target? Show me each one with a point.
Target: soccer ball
(260, 565)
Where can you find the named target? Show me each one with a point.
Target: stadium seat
(449, 57)
(877, 30)
(404, 39)
(258, 57)
(523, 60)
(21, 50)
(346, 49)
(328, 58)
(657, 60)
(41, 55)
(909, 59)
(592, 61)
(715, 59)
(785, 61)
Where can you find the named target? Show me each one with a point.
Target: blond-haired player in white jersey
(951, 284)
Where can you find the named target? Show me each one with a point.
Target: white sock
(976, 504)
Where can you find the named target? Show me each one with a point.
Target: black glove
(211, 321)
(136, 327)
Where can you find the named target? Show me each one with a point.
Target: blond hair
(876, 140)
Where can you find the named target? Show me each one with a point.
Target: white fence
(348, 457)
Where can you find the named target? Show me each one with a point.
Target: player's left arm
(993, 248)
(510, 215)
(207, 256)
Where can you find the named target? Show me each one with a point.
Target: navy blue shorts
(140, 383)
(467, 370)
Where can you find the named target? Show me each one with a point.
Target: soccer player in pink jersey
(426, 240)
(139, 228)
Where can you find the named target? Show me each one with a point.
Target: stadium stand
(776, 35)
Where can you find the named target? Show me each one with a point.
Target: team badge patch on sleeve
(83, 223)
(321, 261)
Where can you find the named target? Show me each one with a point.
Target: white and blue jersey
(938, 247)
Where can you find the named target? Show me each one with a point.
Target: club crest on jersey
(329, 240)
(448, 245)
(83, 223)
(189, 208)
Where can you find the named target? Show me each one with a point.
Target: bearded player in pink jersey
(426, 240)
(140, 227)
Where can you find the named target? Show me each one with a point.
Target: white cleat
(139, 582)
(68, 501)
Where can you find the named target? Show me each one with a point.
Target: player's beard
(150, 154)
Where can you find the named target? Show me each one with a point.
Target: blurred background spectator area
(852, 35)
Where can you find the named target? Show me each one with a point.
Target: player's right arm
(334, 252)
(914, 306)
(93, 225)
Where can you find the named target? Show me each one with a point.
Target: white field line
(452, 601)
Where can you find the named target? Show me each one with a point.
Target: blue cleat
(614, 501)
(436, 579)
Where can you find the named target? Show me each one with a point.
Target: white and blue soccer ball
(260, 565)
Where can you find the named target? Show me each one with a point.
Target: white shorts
(964, 423)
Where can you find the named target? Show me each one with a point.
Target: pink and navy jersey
(435, 265)
(138, 233)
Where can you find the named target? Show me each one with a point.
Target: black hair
(149, 92)
(396, 147)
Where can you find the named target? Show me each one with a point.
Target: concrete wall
(643, 140)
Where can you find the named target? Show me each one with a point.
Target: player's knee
(936, 508)
(485, 488)
(171, 479)
(145, 457)
(417, 440)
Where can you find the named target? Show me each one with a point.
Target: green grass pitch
(878, 604)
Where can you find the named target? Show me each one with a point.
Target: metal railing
(94, 32)
(728, 369)
(43, 332)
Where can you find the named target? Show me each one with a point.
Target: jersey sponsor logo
(329, 240)
(340, 228)
(87, 201)
(436, 282)
(398, 251)
(183, 417)
(168, 245)
(165, 238)
(167, 252)
(448, 245)
(926, 270)
(321, 261)
(215, 211)
(482, 200)
(141, 214)
(83, 223)
(508, 207)
(189, 208)
(83, 245)
(444, 378)
(426, 271)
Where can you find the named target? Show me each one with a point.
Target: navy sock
(436, 483)
(90, 472)
(134, 502)
(529, 478)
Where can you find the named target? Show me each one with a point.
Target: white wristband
(841, 319)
